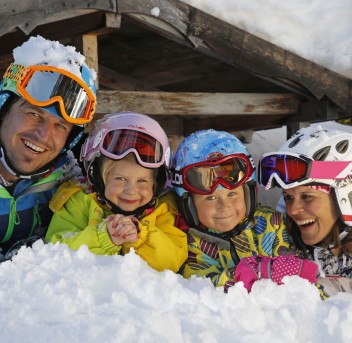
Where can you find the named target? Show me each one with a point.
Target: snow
(38, 50)
(52, 294)
(318, 30)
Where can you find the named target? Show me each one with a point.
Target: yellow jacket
(79, 219)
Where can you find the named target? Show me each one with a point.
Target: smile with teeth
(33, 147)
(305, 222)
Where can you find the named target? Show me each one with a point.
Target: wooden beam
(28, 14)
(113, 80)
(239, 48)
(185, 125)
(188, 104)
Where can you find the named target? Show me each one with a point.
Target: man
(46, 97)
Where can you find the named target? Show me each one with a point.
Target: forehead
(302, 189)
(127, 163)
(23, 105)
(220, 192)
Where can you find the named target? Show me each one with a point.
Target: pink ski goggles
(290, 170)
(116, 144)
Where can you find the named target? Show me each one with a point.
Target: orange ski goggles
(44, 85)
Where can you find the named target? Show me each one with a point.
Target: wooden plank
(183, 126)
(68, 27)
(28, 14)
(168, 103)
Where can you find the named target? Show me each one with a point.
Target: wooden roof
(184, 67)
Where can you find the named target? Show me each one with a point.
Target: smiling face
(31, 136)
(313, 211)
(222, 210)
(127, 184)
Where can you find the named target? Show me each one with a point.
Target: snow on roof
(318, 30)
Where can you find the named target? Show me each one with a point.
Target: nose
(294, 207)
(129, 188)
(223, 203)
(44, 130)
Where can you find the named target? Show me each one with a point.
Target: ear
(188, 210)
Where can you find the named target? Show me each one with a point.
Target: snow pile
(52, 294)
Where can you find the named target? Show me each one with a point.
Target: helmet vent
(295, 141)
(342, 147)
(321, 154)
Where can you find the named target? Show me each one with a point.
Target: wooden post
(90, 51)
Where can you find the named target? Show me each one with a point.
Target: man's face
(31, 136)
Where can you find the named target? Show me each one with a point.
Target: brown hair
(340, 247)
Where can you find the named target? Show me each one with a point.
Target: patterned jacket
(212, 254)
(329, 264)
(25, 212)
(79, 219)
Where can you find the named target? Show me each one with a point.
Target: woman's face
(313, 211)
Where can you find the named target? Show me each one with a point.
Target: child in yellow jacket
(126, 158)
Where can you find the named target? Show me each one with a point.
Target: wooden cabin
(186, 68)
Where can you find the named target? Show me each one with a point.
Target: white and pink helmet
(118, 134)
(331, 147)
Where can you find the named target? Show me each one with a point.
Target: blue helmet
(202, 146)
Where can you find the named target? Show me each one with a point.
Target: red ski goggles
(290, 170)
(44, 85)
(116, 144)
(230, 171)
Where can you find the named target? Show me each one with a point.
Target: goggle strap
(335, 170)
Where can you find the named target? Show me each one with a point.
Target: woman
(314, 170)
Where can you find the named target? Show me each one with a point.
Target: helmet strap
(4, 160)
(188, 210)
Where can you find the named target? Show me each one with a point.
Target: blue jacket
(25, 213)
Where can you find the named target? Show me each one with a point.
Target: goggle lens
(288, 168)
(204, 177)
(116, 143)
(44, 85)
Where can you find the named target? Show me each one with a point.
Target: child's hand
(121, 229)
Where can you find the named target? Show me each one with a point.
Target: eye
(211, 197)
(307, 196)
(232, 194)
(62, 127)
(287, 197)
(32, 114)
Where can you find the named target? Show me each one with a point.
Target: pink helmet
(121, 133)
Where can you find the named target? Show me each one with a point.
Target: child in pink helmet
(126, 158)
